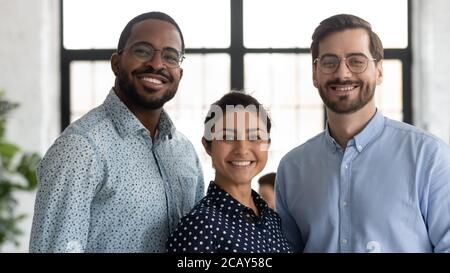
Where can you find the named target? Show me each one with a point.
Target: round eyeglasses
(329, 64)
(144, 52)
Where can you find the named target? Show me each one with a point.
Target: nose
(156, 60)
(241, 147)
(343, 72)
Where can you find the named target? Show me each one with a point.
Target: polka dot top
(220, 224)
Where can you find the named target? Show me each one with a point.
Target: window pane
(283, 83)
(389, 95)
(90, 83)
(289, 23)
(205, 79)
(86, 26)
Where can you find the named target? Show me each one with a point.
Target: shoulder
(183, 142)
(184, 154)
(274, 216)
(80, 139)
(198, 219)
(95, 124)
(206, 209)
(309, 147)
(419, 138)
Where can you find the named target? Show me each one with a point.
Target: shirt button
(360, 147)
(344, 204)
(346, 167)
(344, 241)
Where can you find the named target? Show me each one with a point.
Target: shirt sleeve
(438, 212)
(288, 224)
(68, 177)
(193, 235)
(200, 190)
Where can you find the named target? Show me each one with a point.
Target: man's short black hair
(126, 32)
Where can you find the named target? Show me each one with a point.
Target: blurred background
(54, 62)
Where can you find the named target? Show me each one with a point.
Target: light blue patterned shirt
(389, 191)
(106, 186)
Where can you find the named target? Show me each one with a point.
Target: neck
(241, 192)
(148, 117)
(344, 127)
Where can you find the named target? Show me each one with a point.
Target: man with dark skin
(120, 178)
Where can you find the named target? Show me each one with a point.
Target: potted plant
(17, 173)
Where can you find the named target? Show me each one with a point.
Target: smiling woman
(230, 53)
(232, 217)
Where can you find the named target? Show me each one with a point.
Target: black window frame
(236, 51)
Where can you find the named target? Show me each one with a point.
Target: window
(261, 46)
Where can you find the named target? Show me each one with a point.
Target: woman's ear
(207, 146)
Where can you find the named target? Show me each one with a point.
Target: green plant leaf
(13, 163)
(7, 152)
(27, 167)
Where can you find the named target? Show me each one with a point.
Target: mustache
(162, 71)
(348, 82)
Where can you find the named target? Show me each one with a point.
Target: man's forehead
(344, 42)
(156, 29)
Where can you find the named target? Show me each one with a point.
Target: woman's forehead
(241, 118)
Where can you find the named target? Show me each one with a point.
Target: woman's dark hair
(126, 32)
(237, 98)
(342, 22)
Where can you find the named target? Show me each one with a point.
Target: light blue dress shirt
(106, 186)
(389, 191)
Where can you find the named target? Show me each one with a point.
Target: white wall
(431, 69)
(29, 74)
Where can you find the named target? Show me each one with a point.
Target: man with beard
(120, 178)
(367, 183)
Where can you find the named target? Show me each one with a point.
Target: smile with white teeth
(241, 163)
(344, 88)
(152, 80)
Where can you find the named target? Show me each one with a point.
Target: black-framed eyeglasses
(328, 64)
(144, 52)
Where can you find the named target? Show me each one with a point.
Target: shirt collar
(127, 123)
(371, 131)
(334, 146)
(222, 197)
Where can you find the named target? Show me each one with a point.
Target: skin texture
(227, 154)
(145, 87)
(348, 97)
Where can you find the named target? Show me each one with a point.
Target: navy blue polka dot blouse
(220, 224)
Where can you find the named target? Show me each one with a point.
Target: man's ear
(314, 73)
(207, 146)
(379, 72)
(181, 73)
(115, 59)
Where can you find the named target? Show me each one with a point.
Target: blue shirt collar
(370, 132)
(127, 123)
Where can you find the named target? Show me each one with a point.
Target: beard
(345, 105)
(148, 103)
